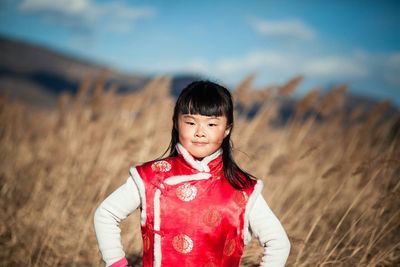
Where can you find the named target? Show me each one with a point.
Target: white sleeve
(109, 214)
(269, 231)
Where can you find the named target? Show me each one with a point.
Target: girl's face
(201, 135)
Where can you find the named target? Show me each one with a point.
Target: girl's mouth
(199, 143)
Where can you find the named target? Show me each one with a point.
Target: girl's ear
(227, 131)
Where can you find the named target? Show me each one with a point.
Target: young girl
(198, 207)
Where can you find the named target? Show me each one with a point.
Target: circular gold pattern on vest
(240, 198)
(146, 243)
(161, 166)
(182, 243)
(186, 192)
(229, 247)
(212, 217)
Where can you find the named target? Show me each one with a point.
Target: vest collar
(200, 165)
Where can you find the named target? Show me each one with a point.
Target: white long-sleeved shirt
(123, 201)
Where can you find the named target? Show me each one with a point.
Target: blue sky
(329, 42)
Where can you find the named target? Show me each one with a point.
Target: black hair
(210, 99)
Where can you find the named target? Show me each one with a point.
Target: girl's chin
(199, 155)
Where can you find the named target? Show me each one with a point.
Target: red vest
(190, 214)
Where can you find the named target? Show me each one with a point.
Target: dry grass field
(333, 177)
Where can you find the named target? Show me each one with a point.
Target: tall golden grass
(334, 183)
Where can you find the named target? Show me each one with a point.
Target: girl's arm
(107, 217)
(266, 226)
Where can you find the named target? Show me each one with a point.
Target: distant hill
(36, 75)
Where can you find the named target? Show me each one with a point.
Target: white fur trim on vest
(249, 206)
(200, 165)
(157, 221)
(140, 185)
(173, 180)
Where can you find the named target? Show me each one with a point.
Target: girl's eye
(189, 123)
(212, 124)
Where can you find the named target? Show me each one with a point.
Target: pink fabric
(121, 263)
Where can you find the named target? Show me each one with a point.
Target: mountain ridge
(43, 73)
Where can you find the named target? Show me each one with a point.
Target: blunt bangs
(204, 99)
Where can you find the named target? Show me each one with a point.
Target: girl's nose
(199, 132)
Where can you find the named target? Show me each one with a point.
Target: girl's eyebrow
(187, 116)
(192, 117)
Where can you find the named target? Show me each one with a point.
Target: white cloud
(198, 65)
(276, 66)
(289, 63)
(253, 61)
(335, 66)
(86, 14)
(293, 29)
(392, 75)
(62, 6)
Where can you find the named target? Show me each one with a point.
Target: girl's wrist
(120, 263)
